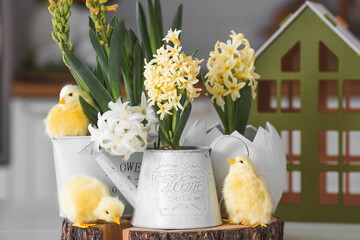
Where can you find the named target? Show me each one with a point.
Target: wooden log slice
(274, 231)
(103, 231)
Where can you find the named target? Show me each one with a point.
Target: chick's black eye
(70, 94)
(106, 212)
(241, 161)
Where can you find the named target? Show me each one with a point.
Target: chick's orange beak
(231, 161)
(62, 101)
(116, 220)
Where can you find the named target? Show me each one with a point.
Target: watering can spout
(125, 186)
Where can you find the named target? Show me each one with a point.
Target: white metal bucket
(69, 163)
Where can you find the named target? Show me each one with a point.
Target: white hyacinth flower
(147, 112)
(123, 129)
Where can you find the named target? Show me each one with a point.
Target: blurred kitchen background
(32, 74)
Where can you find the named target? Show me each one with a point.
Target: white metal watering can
(176, 189)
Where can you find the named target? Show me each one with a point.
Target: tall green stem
(174, 119)
(106, 42)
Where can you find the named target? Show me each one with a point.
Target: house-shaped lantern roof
(309, 90)
(326, 16)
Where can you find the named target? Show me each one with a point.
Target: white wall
(3, 182)
(206, 21)
(31, 173)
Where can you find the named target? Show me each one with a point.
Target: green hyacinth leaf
(162, 126)
(91, 24)
(78, 80)
(127, 45)
(192, 52)
(113, 22)
(142, 28)
(229, 109)
(178, 113)
(181, 124)
(132, 36)
(100, 53)
(98, 72)
(242, 109)
(177, 20)
(155, 39)
(115, 58)
(89, 110)
(158, 18)
(138, 81)
(127, 55)
(97, 90)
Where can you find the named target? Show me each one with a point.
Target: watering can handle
(217, 140)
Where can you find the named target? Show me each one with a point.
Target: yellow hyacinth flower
(233, 88)
(230, 66)
(173, 36)
(111, 7)
(168, 74)
(217, 91)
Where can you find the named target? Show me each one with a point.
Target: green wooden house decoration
(310, 91)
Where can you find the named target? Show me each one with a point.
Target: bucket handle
(217, 140)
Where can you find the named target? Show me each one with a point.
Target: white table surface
(36, 219)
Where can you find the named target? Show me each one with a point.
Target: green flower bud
(59, 27)
(54, 37)
(60, 10)
(63, 37)
(89, 5)
(50, 8)
(66, 28)
(71, 46)
(68, 15)
(53, 3)
(57, 14)
(108, 31)
(54, 22)
(66, 9)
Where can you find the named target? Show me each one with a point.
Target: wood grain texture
(104, 231)
(274, 230)
(36, 83)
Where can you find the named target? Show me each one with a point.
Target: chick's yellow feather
(85, 200)
(246, 196)
(68, 118)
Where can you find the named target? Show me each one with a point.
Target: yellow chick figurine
(246, 196)
(85, 200)
(68, 118)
